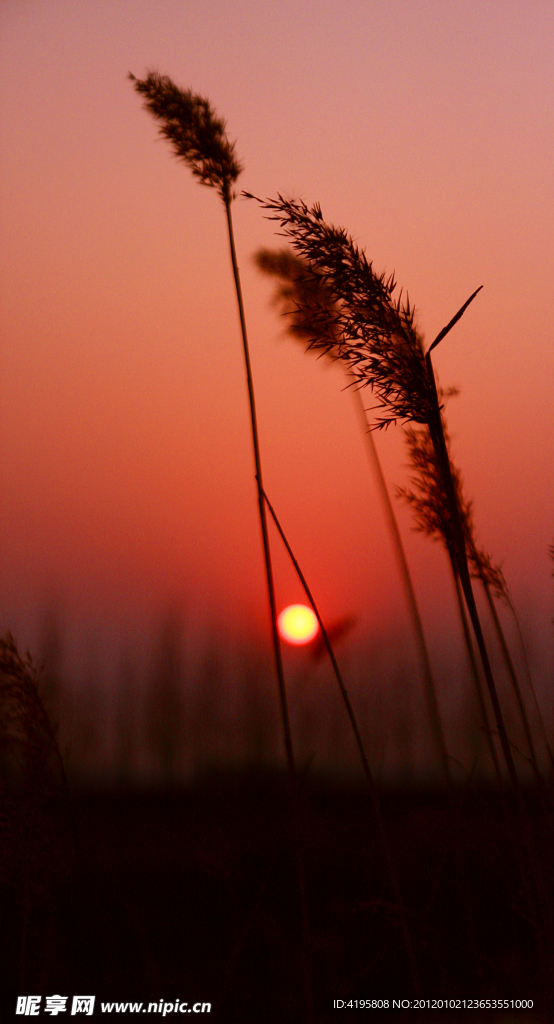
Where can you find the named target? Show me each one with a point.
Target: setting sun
(297, 624)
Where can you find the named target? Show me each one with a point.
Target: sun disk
(297, 624)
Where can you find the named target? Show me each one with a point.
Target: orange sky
(127, 478)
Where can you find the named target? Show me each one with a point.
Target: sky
(425, 129)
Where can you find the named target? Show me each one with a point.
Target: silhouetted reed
(431, 511)
(375, 335)
(302, 293)
(196, 134)
(381, 826)
(430, 507)
(362, 324)
(198, 137)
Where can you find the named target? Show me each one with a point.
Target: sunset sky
(422, 126)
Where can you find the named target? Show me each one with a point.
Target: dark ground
(193, 895)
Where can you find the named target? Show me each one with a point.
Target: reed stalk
(538, 896)
(198, 138)
(530, 680)
(430, 506)
(475, 672)
(513, 676)
(432, 512)
(496, 589)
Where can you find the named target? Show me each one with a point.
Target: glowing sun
(297, 624)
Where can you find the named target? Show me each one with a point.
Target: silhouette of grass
(429, 504)
(36, 820)
(375, 335)
(198, 138)
(302, 293)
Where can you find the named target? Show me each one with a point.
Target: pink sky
(127, 478)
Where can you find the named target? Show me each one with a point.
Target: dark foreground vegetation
(191, 894)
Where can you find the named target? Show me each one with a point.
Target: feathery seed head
(362, 323)
(428, 499)
(429, 503)
(194, 130)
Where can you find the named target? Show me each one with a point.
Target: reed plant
(374, 333)
(429, 504)
(301, 295)
(430, 507)
(198, 138)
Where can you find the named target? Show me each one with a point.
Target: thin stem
(263, 521)
(343, 690)
(430, 688)
(306, 944)
(363, 756)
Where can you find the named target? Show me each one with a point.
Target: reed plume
(302, 294)
(431, 510)
(430, 507)
(363, 324)
(196, 133)
(29, 751)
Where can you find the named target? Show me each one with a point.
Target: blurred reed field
(186, 706)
